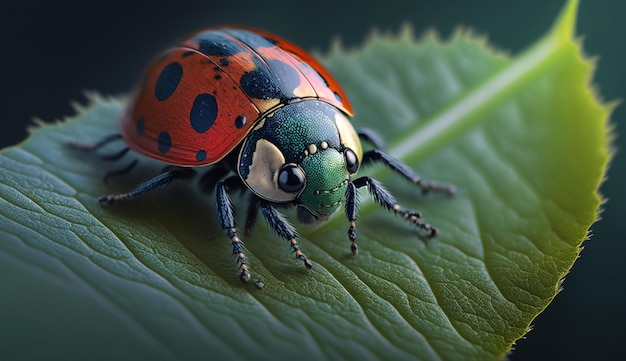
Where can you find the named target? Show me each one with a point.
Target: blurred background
(54, 50)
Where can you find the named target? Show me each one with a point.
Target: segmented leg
(93, 147)
(108, 157)
(157, 182)
(101, 143)
(377, 155)
(351, 210)
(226, 219)
(284, 230)
(385, 199)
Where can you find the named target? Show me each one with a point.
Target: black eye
(352, 163)
(291, 179)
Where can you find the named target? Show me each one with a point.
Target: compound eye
(352, 163)
(291, 178)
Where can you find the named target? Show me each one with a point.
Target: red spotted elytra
(261, 115)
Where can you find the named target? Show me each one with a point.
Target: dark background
(54, 50)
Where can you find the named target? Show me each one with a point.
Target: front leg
(377, 155)
(385, 199)
(283, 229)
(351, 211)
(226, 219)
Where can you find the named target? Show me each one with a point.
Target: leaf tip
(565, 26)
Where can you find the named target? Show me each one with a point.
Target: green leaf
(523, 138)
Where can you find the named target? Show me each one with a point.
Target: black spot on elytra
(271, 41)
(168, 80)
(216, 43)
(203, 112)
(252, 39)
(240, 121)
(276, 80)
(165, 142)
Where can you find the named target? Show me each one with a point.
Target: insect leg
(351, 211)
(372, 137)
(115, 156)
(108, 157)
(226, 219)
(385, 199)
(93, 147)
(114, 173)
(377, 155)
(157, 182)
(101, 143)
(284, 230)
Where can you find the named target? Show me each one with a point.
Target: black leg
(385, 199)
(101, 143)
(115, 156)
(209, 180)
(108, 157)
(351, 211)
(284, 230)
(93, 147)
(377, 155)
(372, 137)
(226, 219)
(114, 173)
(157, 182)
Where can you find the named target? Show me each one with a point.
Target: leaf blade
(471, 292)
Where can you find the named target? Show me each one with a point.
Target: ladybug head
(305, 154)
(326, 173)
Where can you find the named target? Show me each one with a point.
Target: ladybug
(264, 116)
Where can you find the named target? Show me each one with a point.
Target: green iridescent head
(303, 153)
